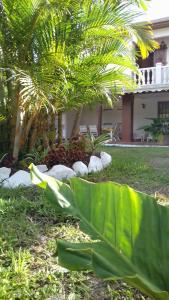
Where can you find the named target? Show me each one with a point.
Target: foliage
(36, 156)
(56, 156)
(67, 153)
(2, 118)
(78, 142)
(57, 55)
(126, 226)
(30, 226)
(28, 267)
(159, 126)
(96, 142)
(6, 160)
(77, 150)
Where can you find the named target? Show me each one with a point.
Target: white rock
(80, 168)
(61, 172)
(95, 164)
(4, 173)
(19, 179)
(42, 168)
(106, 159)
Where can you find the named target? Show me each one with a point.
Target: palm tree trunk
(2, 93)
(11, 106)
(33, 138)
(75, 129)
(60, 135)
(27, 129)
(18, 133)
(46, 143)
(100, 113)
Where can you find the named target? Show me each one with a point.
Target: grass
(145, 169)
(29, 227)
(28, 233)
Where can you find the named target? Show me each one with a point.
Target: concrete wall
(114, 115)
(70, 116)
(161, 33)
(90, 116)
(140, 117)
(141, 114)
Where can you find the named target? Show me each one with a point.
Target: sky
(158, 9)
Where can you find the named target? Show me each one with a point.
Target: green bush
(157, 128)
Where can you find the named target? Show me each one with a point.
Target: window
(163, 109)
(160, 55)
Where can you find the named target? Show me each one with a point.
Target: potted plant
(165, 131)
(159, 129)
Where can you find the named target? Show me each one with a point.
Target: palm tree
(58, 56)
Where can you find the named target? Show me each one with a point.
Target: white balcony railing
(152, 77)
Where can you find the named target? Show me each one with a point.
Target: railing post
(158, 73)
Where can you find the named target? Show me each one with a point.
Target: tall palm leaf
(64, 55)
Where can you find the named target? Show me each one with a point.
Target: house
(150, 100)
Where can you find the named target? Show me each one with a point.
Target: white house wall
(90, 117)
(112, 116)
(70, 116)
(141, 116)
(161, 33)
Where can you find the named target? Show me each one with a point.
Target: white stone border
(23, 179)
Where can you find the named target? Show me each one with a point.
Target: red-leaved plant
(68, 154)
(7, 160)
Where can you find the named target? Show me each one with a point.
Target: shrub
(77, 149)
(67, 154)
(95, 142)
(7, 161)
(56, 156)
(157, 127)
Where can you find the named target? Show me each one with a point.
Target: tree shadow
(24, 216)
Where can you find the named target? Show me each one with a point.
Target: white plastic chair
(109, 129)
(116, 132)
(83, 129)
(93, 130)
(150, 138)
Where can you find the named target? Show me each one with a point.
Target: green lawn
(145, 169)
(29, 228)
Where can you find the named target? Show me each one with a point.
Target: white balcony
(153, 79)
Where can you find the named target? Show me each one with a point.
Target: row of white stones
(22, 178)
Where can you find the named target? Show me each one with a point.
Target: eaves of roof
(150, 89)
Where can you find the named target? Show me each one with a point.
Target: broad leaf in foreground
(130, 233)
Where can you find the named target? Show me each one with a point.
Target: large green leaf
(129, 230)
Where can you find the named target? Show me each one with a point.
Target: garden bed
(76, 158)
(29, 228)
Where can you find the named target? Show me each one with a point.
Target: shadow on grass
(24, 213)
